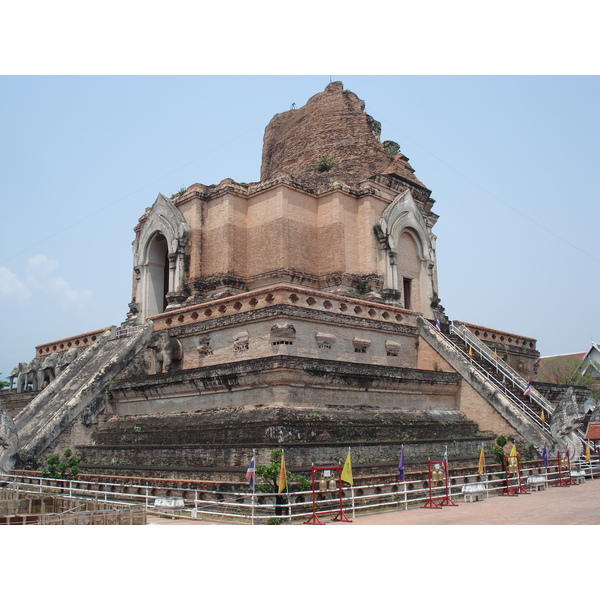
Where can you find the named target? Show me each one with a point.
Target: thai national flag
(250, 473)
(527, 390)
(437, 324)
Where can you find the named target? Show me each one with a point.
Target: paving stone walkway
(572, 505)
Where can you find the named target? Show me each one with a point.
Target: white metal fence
(244, 507)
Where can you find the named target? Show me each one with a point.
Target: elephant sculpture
(65, 360)
(47, 371)
(27, 377)
(166, 350)
(14, 374)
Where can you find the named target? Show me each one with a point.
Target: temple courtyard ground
(572, 505)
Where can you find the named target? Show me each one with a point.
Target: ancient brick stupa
(296, 311)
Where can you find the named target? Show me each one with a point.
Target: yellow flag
(514, 452)
(481, 468)
(495, 355)
(281, 486)
(587, 452)
(470, 352)
(347, 470)
(543, 416)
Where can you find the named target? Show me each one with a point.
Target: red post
(339, 513)
(564, 460)
(447, 500)
(431, 503)
(507, 491)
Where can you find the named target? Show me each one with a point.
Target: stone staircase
(496, 381)
(495, 374)
(77, 389)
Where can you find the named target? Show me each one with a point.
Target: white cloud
(11, 287)
(40, 277)
(41, 282)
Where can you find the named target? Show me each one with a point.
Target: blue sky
(512, 162)
(87, 142)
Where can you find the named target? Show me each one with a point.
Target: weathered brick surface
(430, 360)
(332, 123)
(475, 408)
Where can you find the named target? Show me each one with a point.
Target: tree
(64, 468)
(570, 370)
(3, 383)
(270, 473)
(501, 441)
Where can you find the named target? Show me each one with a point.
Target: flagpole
(352, 488)
(287, 490)
(253, 482)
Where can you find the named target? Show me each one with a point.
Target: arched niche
(407, 255)
(159, 259)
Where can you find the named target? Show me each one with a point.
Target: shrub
(324, 162)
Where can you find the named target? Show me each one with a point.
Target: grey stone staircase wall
(75, 390)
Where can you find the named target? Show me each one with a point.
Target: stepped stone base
(219, 443)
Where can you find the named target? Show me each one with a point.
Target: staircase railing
(459, 329)
(513, 398)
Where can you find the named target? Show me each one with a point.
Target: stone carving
(283, 330)
(166, 350)
(241, 343)
(360, 345)
(8, 442)
(283, 333)
(15, 373)
(65, 360)
(47, 371)
(204, 346)
(26, 374)
(281, 433)
(392, 348)
(324, 340)
(565, 420)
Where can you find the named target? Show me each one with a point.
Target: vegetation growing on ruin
(61, 468)
(391, 148)
(324, 162)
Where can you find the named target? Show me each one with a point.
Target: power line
(516, 210)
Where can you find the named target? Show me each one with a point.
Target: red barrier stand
(509, 467)
(339, 513)
(518, 489)
(438, 471)
(447, 500)
(564, 462)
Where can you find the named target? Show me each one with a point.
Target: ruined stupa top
(330, 138)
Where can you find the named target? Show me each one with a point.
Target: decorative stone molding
(241, 343)
(360, 345)
(325, 340)
(392, 348)
(163, 219)
(204, 346)
(404, 215)
(283, 333)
